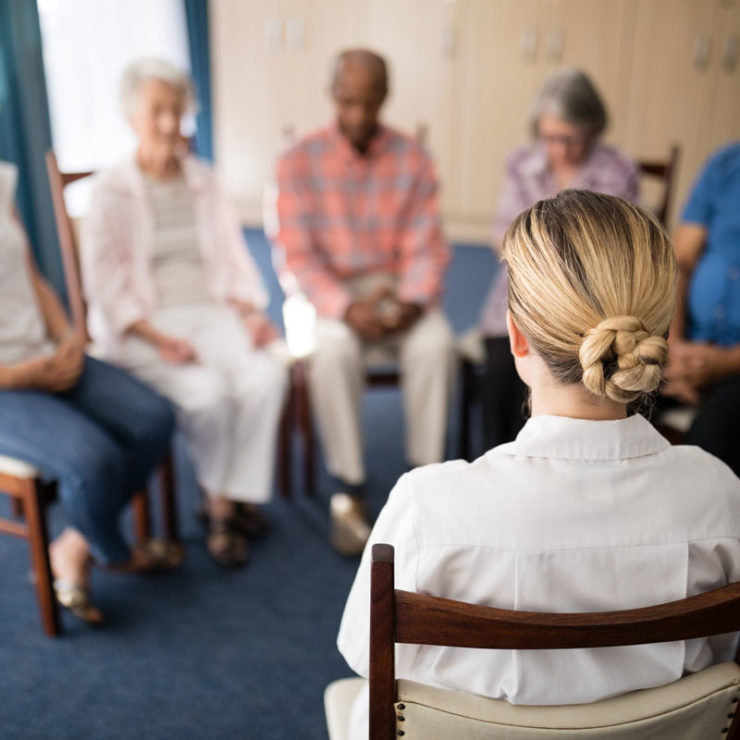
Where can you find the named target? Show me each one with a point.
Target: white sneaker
(349, 528)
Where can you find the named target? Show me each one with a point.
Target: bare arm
(688, 242)
(55, 317)
(173, 350)
(693, 365)
(60, 371)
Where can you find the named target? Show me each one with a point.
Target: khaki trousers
(425, 354)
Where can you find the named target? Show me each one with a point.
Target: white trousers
(228, 404)
(425, 354)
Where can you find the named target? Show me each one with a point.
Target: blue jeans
(100, 441)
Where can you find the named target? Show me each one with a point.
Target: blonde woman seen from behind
(589, 509)
(567, 122)
(175, 298)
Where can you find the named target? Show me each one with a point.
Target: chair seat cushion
(694, 708)
(339, 697)
(16, 468)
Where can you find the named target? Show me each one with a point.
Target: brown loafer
(247, 518)
(349, 527)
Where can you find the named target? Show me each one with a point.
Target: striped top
(177, 264)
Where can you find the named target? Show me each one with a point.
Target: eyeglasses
(568, 142)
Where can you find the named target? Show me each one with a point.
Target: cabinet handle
(529, 44)
(729, 54)
(702, 47)
(555, 39)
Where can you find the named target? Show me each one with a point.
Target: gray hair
(571, 96)
(151, 68)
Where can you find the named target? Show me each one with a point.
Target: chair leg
(305, 424)
(33, 505)
(309, 449)
(285, 436)
(466, 401)
(169, 499)
(142, 519)
(16, 507)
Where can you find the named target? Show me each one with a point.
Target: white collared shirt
(574, 515)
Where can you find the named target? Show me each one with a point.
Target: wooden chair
(29, 496)
(68, 245)
(702, 705)
(664, 171)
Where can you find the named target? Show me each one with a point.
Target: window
(87, 44)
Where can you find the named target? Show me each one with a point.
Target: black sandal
(247, 518)
(227, 546)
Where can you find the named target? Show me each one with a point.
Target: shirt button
(719, 312)
(733, 273)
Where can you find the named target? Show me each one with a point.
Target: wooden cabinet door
(595, 36)
(496, 82)
(418, 40)
(724, 122)
(271, 61)
(670, 83)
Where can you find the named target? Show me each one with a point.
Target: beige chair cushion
(470, 346)
(339, 697)
(17, 468)
(693, 708)
(680, 418)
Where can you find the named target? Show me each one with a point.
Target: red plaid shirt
(342, 215)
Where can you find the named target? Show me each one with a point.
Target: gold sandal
(161, 554)
(76, 599)
(153, 555)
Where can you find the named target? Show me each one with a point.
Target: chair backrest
(402, 617)
(665, 171)
(68, 240)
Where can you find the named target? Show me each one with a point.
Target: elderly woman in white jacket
(175, 297)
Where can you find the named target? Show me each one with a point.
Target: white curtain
(87, 44)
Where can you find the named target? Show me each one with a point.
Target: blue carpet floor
(200, 652)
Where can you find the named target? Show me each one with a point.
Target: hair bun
(621, 359)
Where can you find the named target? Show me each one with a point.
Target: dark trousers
(716, 429)
(503, 395)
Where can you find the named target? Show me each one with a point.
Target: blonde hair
(592, 282)
(145, 69)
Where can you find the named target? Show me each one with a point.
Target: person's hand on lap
(362, 316)
(175, 351)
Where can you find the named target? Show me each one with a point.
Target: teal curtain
(25, 130)
(196, 14)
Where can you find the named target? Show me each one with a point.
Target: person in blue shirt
(704, 357)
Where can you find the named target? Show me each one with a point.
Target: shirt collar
(377, 145)
(560, 437)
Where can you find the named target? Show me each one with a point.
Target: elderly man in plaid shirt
(360, 230)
